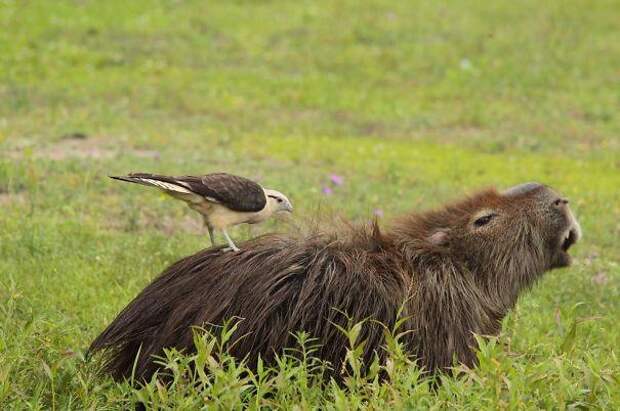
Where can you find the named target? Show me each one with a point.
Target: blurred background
(356, 108)
(409, 93)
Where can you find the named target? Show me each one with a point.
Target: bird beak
(285, 207)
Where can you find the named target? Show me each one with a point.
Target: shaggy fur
(452, 275)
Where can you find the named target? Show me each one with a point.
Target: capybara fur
(452, 273)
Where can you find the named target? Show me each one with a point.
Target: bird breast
(221, 217)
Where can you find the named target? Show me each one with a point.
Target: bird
(224, 200)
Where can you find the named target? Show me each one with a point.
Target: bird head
(278, 202)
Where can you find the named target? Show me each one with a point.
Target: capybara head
(506, 238)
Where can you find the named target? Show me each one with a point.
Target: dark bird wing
(234, 192)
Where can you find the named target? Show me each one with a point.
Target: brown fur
(452, 279)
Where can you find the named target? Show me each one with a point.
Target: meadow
(410, 104)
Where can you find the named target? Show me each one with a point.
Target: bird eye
(484, 220)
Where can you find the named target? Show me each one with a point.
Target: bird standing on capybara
(455, 272)
(223, 199)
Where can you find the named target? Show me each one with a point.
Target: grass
(412, 103)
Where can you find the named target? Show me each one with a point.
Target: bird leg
(232, 245)
(211, 236)
(210, 228)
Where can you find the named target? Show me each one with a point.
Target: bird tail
(154, 180)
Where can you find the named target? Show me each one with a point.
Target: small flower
(327, 191)
(336, 179)
(378, 212)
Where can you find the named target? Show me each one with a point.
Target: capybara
(450, 273)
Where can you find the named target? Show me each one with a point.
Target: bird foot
(233, 249)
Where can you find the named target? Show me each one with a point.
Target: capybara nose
(574, 225)
(522, 189)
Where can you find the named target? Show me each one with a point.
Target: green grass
(414, 103)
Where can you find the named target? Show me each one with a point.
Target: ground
(357, 109)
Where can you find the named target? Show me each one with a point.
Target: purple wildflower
(336, 179)
(327, 191)
(378, 212)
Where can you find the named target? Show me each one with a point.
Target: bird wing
(233, 192)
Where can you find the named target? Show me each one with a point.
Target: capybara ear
(439, 237)
(522, 189)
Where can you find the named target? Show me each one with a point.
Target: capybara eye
(484, 220)
(557, 202)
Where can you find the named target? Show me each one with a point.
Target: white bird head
(278, 201)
